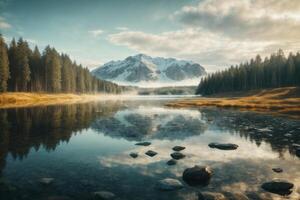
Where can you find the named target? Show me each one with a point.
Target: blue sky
(214, 33)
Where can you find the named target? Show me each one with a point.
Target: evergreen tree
(4, 66)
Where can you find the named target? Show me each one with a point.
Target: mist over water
(85, 148)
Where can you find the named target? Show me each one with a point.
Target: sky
(213, 33)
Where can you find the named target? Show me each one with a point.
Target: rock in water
(197, 175)
(104, 195)
(172, 162)
(226, 146)
(280, 187)
(277, 170)
(143, 143)
(150, 153)
(46, 181)
(177, 155)
(134, 155)
(169, 184)
(178, 148)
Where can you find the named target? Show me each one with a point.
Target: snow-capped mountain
(142, 69)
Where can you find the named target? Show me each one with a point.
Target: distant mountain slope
(139, 69)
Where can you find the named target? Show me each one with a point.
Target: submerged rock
(172, 162)
(46, 181)
(143, 143)
(211, 196)
(177, 155)
(277, 170)
(134, 155)
(197, 175)
(169, 184)
(178, 148)
(280, 187)
(103, 195)
(225, 146)
(150, 153)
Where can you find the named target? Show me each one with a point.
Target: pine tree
(4, 66)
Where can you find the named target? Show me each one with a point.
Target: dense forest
(276, 71)
(25, 70)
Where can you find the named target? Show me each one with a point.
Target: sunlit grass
(279, 100)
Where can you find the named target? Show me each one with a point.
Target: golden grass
(279, 101)
(23, 99)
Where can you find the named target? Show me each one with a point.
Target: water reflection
(146, 123)
(86, 148)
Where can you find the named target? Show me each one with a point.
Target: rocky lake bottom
(140, 149)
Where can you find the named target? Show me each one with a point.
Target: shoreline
(283, 101)
(27, 99)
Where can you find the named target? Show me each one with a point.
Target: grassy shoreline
(284, 101)
(24, 99)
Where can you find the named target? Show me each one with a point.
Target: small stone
(172, 162)
(143, 143)
(169, 184)
(104, 195)
(134, 155)
(226, 146)
(177, 155)
(197, 175)
(150, 153)
(178, 148)
(277, 170)
(46, 181)
(280, 187)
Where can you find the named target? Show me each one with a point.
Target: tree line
(274, 71)
(25, 70)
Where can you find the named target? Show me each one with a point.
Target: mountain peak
(141, 68)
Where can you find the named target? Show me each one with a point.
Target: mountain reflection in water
(86, 147)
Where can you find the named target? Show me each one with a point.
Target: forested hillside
(273, 72)
(25, 70)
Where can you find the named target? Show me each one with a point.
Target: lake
(84, 148)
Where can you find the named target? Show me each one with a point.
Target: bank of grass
(278, 101)
(22, 99)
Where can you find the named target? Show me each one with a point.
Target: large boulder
(197, 175)
(169, 184)
(277, 186)
(224, 146)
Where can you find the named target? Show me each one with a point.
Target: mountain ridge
(143, 69)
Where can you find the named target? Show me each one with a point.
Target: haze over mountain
(146, 71)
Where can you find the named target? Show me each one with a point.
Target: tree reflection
(37, 127)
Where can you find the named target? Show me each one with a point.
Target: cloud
(248, 19)
(4, 24)
(96, 33)
(198, 45)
